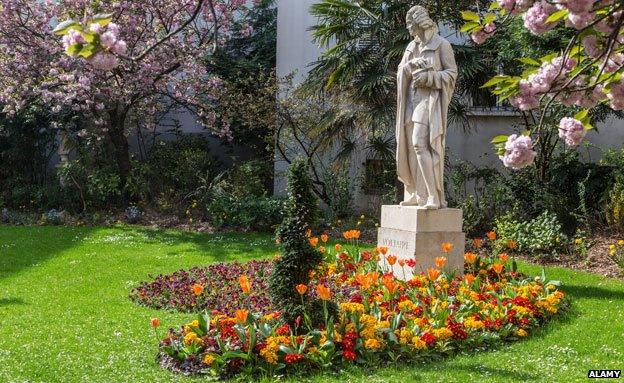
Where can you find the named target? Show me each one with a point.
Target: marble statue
(425, 83)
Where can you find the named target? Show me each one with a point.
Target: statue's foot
(411, 202)
(432, 203)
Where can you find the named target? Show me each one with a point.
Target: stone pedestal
(411, 232)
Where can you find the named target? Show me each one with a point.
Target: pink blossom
(108, 40)
(104, 61)
(577, 6)
(580, 20)
(519, 152)
(616, 96)
(590, 43)
(571, 131)
(535, 18)
(526, 99)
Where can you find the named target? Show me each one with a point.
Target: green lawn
(65, 316)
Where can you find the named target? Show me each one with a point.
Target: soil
(598, 260)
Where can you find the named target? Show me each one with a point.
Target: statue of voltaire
(425, 84)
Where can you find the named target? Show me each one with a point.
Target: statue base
(410, 232)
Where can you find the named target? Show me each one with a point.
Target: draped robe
(441, 83)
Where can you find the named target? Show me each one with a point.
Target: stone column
(417, 233)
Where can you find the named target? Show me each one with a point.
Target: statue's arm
(448, 74)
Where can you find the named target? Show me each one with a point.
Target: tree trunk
(122, 150)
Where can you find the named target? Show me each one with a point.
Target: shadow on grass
(11, 301)
(22, 247)
(575, 291)
(220, 247)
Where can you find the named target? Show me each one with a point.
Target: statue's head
(418, 21)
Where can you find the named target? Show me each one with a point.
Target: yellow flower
(443, 333)
(352, 307)
(407, 306)
(191, 338)
(521, 333)
(208, 359)
(418, 343)
(372, 344)
(621, 242)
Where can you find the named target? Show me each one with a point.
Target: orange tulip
(477, 242)
(498, 267)
(245, 284)
(503, 257)
(363, 280)
(391, 259)
(469, 278)
(390, 283)
(440, 262)
(447, 247)
(241, 316)
(470, 257)
(313, 241)
(433, 274)
(197, 289)
(382, 250)
(402, 262)
(155, 322)
(338, 247)
(323, 292)
(324, 237)
(301, 288)
(511, 244)
(322, 249)
(491, 235)
(351, 234)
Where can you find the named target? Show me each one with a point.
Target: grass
(65, 316)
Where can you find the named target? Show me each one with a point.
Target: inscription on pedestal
(422, 246)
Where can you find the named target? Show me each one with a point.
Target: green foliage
(542, 235)
(180, 163)
(26, 146)
(482, 193)
(298, 257)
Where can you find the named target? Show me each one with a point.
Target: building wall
(295, 51)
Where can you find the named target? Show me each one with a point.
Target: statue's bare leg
(411, 196)
(422, 149)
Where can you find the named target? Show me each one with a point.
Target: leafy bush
(95, 187)
(298, 257)
(133, 214)
(179, 164)
(255, 213)
(53, 217)
(539, 236)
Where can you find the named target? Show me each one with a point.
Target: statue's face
(414, 28)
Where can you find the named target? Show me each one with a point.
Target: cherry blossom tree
(114, 64)
(583, 76)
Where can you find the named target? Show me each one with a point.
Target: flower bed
(212, 287)
(380, 319)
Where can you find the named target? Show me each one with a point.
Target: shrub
(298, 257)
(180, 164)
(53, 217)
(539, 236)
(133, 214)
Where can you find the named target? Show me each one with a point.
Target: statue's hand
(420, 79)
